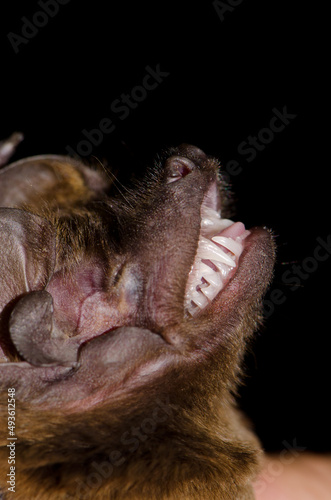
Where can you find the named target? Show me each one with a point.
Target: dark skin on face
(120, 392)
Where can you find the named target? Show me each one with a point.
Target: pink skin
(304, 476)
(237, 229)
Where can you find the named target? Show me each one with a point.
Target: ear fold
(31, 330)
(27, 257)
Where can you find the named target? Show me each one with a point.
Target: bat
(124, 319)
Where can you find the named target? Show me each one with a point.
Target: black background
(226, 76)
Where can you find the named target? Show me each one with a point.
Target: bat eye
(178, 167)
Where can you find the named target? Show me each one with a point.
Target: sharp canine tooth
(234, 246)
(209, 250)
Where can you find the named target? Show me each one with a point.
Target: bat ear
(32, 180)
(27, 257)
(31, 330)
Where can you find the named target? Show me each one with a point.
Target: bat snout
(192, 152)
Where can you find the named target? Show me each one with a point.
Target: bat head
(126, 313)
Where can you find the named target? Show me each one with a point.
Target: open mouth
(220, 245)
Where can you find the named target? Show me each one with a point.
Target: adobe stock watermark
(30, 27)
(252, 145)
(120, 108)
(297, 274)
(226, 6)
(130, 442)
(276, 467)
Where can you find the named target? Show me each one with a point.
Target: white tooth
(223, 268)
(189, 291)
(203, 285)
(204, 281)
(234, 246)
(210, 213)
(199, 299)
(205, 223)
(193, 310)
(215, 225)
(211, 292)
(208, 250)
(213, 277)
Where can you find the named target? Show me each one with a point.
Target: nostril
(178, 167)
(184, 169)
